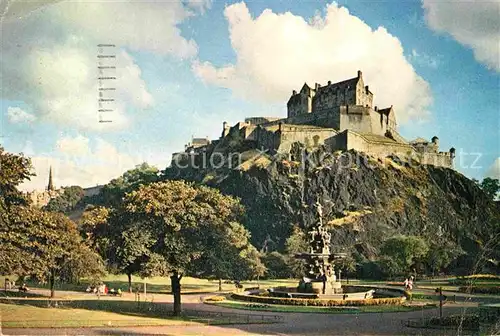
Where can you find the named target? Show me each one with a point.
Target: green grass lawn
(160, 285)
(325, 310)
(27, 316)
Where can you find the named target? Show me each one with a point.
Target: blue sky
(184, 68)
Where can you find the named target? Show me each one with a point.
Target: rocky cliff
(366, 200)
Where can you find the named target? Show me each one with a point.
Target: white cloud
(199, 5)
(17, 115)
(474, 24)
(277, 53)
(78, 145)
(494, 170)
(49, 57)
(424, 59)
(79, 161)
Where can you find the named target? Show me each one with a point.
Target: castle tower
(50, 186)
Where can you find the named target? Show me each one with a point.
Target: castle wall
(356, 118)
(268, 138)
(311, 137)
(441, 159)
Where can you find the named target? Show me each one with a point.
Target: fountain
(320, 277)
(320, 282)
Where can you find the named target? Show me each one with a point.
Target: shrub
(467, 321)
(480, 289)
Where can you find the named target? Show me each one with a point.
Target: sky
(184, 67)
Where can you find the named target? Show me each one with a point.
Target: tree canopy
(111, 194)
(174, 228)
(66, 201)
(401, 252)
(491, 187)
(34, 242)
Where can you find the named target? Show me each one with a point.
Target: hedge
(467, 321)
(318, 302)
(480, 289)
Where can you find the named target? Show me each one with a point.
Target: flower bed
(317, 302)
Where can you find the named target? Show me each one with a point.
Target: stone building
(339, 116)
(41, 198)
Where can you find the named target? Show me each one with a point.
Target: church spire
(50, 187)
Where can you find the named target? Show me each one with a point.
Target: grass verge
(24, 316)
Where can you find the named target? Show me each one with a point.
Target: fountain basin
(353, 296)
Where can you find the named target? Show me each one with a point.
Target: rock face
(365, 200)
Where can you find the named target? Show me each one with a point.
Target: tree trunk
(176, 291)
(52, 279)
(129, 282)
(220, 285)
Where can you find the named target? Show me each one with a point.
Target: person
(23, 288)
(406, 283)
(410, 283)
(119, 292)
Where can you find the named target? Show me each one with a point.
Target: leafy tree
(491, 187)
(348, 265)
(111, 194)
(441, 255)
(403, 251)
(277, 266)
(66, 201)
(43, 245)
(32, 242)
(296, 243)
(14, 169)
(169, 228)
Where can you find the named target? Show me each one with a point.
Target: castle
(339, 116)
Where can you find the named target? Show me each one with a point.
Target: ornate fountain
(320, 276)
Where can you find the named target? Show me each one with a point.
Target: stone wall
(310, 136)
(382, 147)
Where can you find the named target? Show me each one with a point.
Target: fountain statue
(320, 277)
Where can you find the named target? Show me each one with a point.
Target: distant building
(42, 198)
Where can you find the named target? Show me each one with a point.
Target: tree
(441, 255)
(111, 195)
(43, 245)
(14, 169)
(32, 242)
(491, 187)
(277, 266)
(174, 226)
(66, 201)
(348, 265)
(296, 243)
(403, 252)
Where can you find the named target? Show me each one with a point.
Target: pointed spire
(50, 187)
